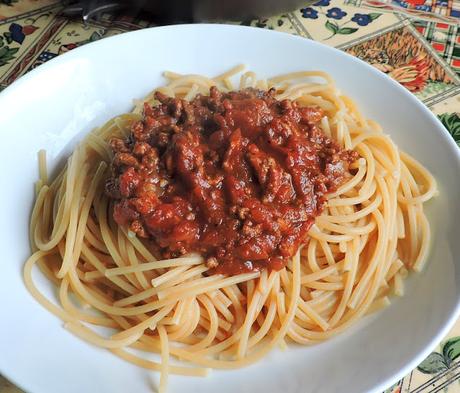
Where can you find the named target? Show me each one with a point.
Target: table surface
(417, 42)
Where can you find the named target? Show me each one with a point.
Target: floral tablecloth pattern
(416, 42)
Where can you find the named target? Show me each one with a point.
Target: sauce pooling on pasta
(238, 177)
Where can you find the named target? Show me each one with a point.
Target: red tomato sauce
(238, 177)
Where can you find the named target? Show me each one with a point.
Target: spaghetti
(372, 232)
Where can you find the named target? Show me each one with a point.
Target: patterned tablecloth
(417, 42)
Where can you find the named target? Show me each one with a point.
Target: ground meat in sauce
(238, 177)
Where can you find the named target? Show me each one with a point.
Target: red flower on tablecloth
(415, 2)
(402, 56)
(413, 75)
(65, 48)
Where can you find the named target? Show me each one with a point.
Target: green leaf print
(452, 122)
(433, 364)
(347, 30)
(374, 15)
(332, 27)
(451, 350)
(6, 54)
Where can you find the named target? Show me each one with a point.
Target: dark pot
(189, 10)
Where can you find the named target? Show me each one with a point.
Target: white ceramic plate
(59, 102)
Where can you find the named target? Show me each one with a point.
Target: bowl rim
(446, 325)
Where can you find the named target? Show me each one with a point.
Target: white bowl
(55, 105)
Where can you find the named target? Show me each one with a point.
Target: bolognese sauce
(238, 177)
